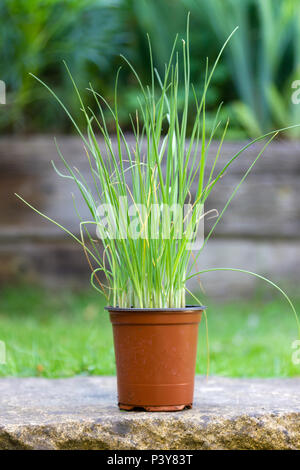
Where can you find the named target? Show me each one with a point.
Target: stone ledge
(81, 413)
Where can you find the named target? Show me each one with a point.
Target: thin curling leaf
(63, 106)
(55, 223)
(257, 276)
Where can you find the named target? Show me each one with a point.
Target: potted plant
(146, 206)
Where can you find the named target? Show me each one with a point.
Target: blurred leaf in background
(36, 35)
(262, 57)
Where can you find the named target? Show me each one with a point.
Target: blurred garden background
(51, 321)
(254, 79)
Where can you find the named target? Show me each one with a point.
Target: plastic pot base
(122, 406)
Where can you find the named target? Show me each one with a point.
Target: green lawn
(53, 334)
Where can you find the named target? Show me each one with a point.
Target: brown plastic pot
(155, 356)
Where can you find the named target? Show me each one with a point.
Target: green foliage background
(254, 78)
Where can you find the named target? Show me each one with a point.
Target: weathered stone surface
(81, 413)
